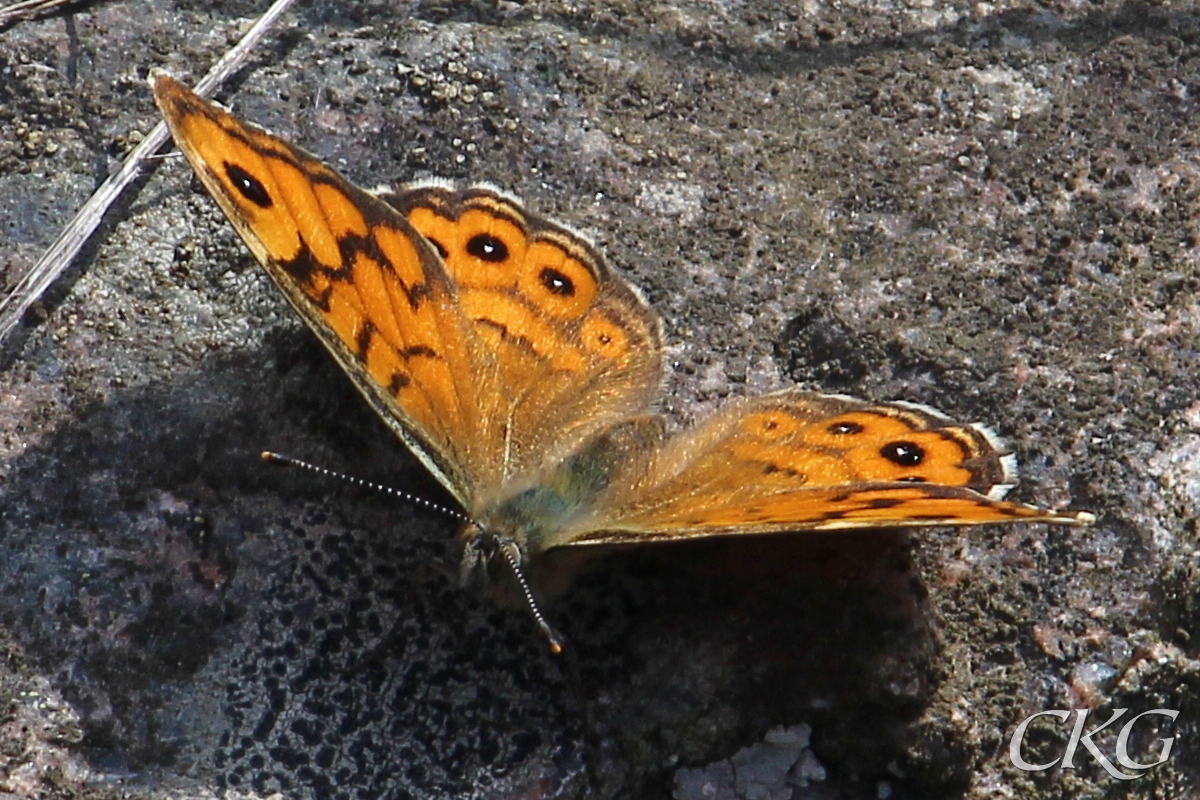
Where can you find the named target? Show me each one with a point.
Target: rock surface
(988, 208)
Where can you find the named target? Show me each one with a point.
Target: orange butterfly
(522, 371)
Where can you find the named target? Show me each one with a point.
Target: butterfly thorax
(533, 514)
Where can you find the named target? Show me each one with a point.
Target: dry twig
(64, 250)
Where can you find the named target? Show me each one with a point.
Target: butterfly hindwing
(572, 348)
(797, 460)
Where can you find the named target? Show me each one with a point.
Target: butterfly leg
(472, 571)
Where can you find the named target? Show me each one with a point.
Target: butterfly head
(481, 546)
(515, 529)
(484, 547)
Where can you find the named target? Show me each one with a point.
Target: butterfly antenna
(513, 557)
(288, 461)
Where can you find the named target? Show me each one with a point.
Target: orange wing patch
(537, 283)
(880, 443)
(527, 288)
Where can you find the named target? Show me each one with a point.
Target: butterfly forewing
(372, 289)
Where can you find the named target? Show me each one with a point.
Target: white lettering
(1014, 744)
(1123, 741)
(1079, 737)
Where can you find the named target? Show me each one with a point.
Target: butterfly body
(531, 516)
(523, 372)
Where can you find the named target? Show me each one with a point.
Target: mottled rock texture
(986, 207)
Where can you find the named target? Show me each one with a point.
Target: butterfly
(523, 372)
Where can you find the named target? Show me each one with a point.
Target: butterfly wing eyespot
(487, 247)
(249, 186)
(560, 285)
(604, 337)
(903, 453)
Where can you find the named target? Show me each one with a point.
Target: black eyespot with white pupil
(488, 248)
(556, 283)
(903, 454)
(248, 186)
(845, 428)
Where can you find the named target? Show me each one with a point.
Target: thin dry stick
(60, 255)
(31, 9)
